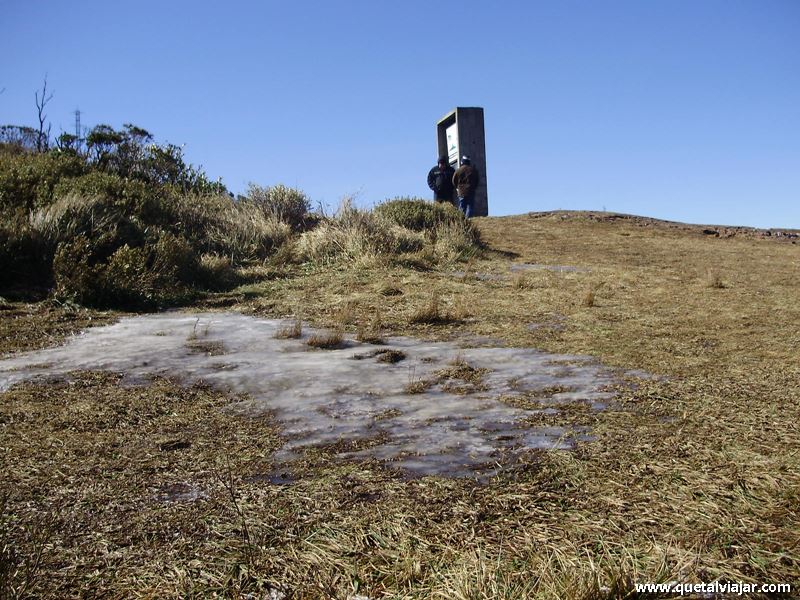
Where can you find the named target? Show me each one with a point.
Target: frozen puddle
(520, 267)
(428, 407)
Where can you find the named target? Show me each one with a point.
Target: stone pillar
(460, 132)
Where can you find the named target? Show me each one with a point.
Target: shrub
(74, 277)
(281, 203)
(27, 180)
(125, 281)
(73, 215)
(452, 235)
(243, 231)
(192, 215)
(173, 259)
(215, 273)
(417, 214)
(219, 225)
(131, 277)
(456, 240)
(22, 260)
(354, 234)
(135, 196)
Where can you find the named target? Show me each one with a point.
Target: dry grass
(417, 385)
(290, 331)
(390, 289)
(715, 280)
(326, 340)
(371, 332)
(693, 477)
(432, 312)
(522, 281)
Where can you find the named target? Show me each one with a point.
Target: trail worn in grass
(155, 491)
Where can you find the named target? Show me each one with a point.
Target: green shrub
(451, 235)
(193, 215)
(106, 223)
(216, 273)
(73, 215)
(417, 214)
(27, 180)
(173, 259)
(74, 277)
(22, 259)
(125, 281)
(281, 203)
(135, 196)
(131, 277)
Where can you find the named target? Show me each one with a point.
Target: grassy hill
(693, 475)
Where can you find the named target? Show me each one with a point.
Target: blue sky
(683, 110)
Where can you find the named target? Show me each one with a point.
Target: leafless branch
(43, 140)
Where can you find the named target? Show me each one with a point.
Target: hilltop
(690, 474)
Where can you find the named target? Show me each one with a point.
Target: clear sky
(682, 109)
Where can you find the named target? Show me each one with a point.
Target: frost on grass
(350, 397)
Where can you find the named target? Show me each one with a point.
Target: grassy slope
(695, 477)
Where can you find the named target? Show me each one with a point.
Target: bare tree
(43, 139)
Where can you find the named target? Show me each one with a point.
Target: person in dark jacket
(466, 180)
(440, 180)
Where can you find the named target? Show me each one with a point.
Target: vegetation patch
(327, 340)
(290, 331)
(384, 355)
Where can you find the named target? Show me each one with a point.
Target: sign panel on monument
(452, 143)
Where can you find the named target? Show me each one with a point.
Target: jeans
(465, 204)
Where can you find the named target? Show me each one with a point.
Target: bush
(135, 196)
(172, 259)
(193, 215)
(417, 214)
(243, 232)
(216, 273)
(281, 203)
(355, 234)
(22, 259)
(73, 275)
(451, 234)
(131, 277)
(125, 281)
(73, 215)
(456, 240)
(27, 180)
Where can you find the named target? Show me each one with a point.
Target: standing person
(440, 180)
(466, 180)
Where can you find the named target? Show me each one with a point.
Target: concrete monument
(460, 132)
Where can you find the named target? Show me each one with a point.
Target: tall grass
(354, 235)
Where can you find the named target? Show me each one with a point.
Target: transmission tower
(77, 123)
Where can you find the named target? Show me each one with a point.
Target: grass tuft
(290, 331)
(372, 332)
(715, 280)
(327, 340)
(429, 312)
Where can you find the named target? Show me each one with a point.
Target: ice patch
(453, 426)
(517, 267)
